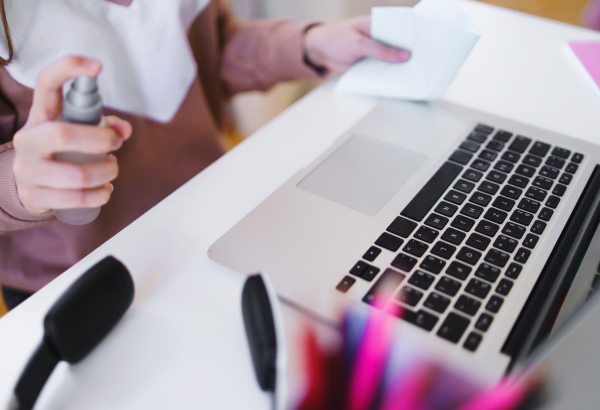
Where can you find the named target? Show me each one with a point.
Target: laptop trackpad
(363, 174)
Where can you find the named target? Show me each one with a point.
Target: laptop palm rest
(363, 174)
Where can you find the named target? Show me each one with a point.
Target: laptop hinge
(540, 310)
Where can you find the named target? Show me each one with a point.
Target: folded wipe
(439, 36)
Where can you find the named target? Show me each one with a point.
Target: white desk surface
(182, 344)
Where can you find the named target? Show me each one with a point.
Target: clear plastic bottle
(82, 105)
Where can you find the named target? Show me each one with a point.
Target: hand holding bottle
(45, 182)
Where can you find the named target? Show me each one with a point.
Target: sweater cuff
(9, 199)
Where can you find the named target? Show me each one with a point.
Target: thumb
(371, 48)
(47, 95)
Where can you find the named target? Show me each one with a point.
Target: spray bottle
(81, 105)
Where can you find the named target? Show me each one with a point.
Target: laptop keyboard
(462, 241)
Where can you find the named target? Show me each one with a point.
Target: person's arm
(32, 181)
(259, 53)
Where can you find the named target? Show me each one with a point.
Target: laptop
(478, 224)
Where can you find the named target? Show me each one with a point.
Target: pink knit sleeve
(13, 215)
(259, 53)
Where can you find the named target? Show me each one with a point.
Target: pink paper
(589, 55)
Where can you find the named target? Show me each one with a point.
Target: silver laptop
(477, 223)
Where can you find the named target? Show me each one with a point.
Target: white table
(182, 344)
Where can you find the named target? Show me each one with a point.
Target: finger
(47, 96)
(66, 175)
(121, 127)
(371, 48)
(43, 199)
(51, 137)
(362, 24)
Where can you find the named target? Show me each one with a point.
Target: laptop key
(448, 286)
(372, 254)
(404, 262)
(487, 228)
(504, 287)
(480, 198)
(432, 264)
(469, 146)
(549, 172)
(455, 197)
(495, 145)
(426, 234)
(540, 149)
(504, 166)
(521, 217)
(422, 319)
(529, 205)
(443, 250)
(503, 136)
(453, 327)
(477, 137)
(577, 158)
(484, 322)
(495, 215)
(478, 288)
(536, 193)
(480, 165)
(514, 230)
(436, 221)
(538, 227)
(472, 175)
(409, 296)
(389, 242)
(518, 181)
(532, 161)
(370, 273)
(467, 305)
(479, 242)
(436, 302)
(421, 280)
(497, 257)
(555, 162)
(458, 270)
(511, 192)
(546, 214)
(494, 304)
(565, 179)
(530, 240)
(506, 243)
(542, 182)
(511, 156)
(553, 201)
(463, 223)
(522, 255)
(402, 227)
(359, 268)
(514, 270)
(488, 155)
(484, 129)
(460, 156)
(472, 210)
(381, 292)
(561, 152)
(464, 186)
(520, 144)
(504, 203)
(487, 272)
(427, 197)
(571, 168)
(525, 170)
(446, 209)
(345, 284)
(453, 236)
(472, 341)
(496, 176)
(468, 255)
(559, 190)
(415, 248)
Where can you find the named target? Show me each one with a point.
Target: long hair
(4, 62)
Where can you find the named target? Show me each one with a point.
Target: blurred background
(252, 110)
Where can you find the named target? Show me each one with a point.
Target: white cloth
(148, 66)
